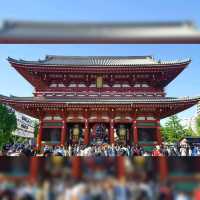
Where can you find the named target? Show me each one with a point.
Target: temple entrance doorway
(147, 135)
(51, 136)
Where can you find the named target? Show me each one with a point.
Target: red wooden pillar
(158, 133)
(39, 136)
(63, 132)
(86, 132)
(121, 172)
(34, 167)
(76, 167)
(135, 132)
(163, 168)
(112, 138)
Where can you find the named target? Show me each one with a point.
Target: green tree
(36, 125)
(189, 132)
(198, 124)
(173, 130)
(8, 124)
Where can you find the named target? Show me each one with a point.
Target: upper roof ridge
(121, 57)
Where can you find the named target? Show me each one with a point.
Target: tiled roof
(148, 32)
(52, 60)
(89, 100)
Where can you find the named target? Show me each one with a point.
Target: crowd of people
(99, 179)
(108, 188)
(179, 149)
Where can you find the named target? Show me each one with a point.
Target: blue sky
(186, 84)
(101, 10)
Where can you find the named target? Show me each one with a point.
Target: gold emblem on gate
(99, 82)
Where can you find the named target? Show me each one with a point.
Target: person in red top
(197, 193)
(157, 152)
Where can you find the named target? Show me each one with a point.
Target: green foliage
(36, 125)
(18, 139)
(8, 124)
(173, 130)
(198, 124)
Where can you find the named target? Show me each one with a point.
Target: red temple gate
(73, 95)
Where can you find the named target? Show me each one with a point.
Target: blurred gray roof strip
(99, 33)
(12, 23)
(52, 60)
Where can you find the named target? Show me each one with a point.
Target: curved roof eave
(98, 101)
(42, 63)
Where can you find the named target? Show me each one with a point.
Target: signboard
(23, 133)
(25, 126)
